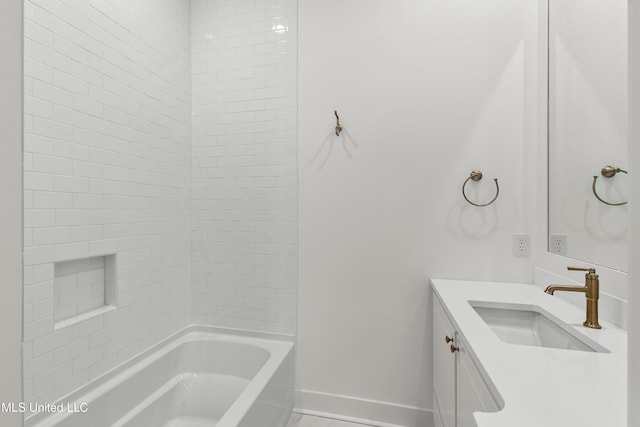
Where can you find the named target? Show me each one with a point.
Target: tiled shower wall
(244, 163)
(107, 171)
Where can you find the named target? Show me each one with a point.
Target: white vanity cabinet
(458, 387)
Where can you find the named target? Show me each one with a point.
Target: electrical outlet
(521, 245)
(558, 244)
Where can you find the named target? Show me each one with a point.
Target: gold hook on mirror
(477, 176)
(338, 127)
(608, 172)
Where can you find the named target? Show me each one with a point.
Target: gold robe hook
(338, 127)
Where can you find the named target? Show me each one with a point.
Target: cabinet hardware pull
(448, 339)
(454, 348)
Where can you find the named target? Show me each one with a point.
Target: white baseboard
(363, 411)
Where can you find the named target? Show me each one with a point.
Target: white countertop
(541, 387)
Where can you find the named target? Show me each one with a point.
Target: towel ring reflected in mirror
(477, 176)
(607, 172)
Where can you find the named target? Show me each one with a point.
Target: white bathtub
(199, 377)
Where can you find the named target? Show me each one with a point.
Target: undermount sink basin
(531, 325)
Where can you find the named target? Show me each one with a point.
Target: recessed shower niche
(83, 288)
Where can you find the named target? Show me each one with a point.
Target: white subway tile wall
(78, 287)
(163, 131)
(107, 171)
(244, 95)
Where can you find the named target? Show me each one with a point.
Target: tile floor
(299, 420)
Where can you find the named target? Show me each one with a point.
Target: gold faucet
(591, 290)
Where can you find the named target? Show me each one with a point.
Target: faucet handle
(591, 270)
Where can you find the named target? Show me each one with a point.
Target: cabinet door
(444, 365)
(472, 392)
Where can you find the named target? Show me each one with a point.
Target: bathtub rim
(278, 346)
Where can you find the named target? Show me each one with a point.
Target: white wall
(11, 212)
(634, 255)
(426, 91)
(107, 171)
(244, 164)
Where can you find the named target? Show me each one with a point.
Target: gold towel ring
(607, 172)
(477, 176)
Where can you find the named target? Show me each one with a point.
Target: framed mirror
(587, 134)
